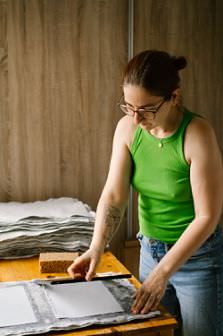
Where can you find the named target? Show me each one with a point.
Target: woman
(171, 157)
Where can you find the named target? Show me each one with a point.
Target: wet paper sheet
(15, 308)
(82, 299)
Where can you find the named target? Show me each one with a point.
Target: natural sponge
(56, 262)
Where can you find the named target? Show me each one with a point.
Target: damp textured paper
(15, 308)
(82, 299)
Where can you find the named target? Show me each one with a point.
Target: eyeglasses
(148, 113)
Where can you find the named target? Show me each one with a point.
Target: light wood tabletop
(28, 269)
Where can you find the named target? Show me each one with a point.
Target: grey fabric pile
(55, 225)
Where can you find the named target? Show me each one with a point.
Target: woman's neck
(168, 124)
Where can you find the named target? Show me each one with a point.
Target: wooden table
(27, 269)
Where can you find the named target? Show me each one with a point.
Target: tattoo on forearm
(112, 220)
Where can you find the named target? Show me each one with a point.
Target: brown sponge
(56, 262)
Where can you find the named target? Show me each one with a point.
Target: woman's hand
(85, 265)
(149, 295)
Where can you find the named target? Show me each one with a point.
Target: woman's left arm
(206, 176)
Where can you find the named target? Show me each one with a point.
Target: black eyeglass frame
(149, 113)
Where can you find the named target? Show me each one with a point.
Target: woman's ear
(176, 97)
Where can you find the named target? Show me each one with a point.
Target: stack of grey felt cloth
(54, 225)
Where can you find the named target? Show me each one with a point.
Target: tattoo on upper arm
(112, 220)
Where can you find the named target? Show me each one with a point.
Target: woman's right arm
(112, 203)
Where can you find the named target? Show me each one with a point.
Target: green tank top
(161, 176)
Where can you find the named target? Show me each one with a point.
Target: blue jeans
(194, 294)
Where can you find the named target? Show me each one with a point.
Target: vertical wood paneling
(64, 71)
(4, 88)
(18, 123)
(192, 28)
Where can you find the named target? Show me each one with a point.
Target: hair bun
(179, 62)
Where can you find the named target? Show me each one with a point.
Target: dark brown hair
(155, 71)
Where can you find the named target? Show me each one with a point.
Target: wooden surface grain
(61, 65)
(4, 115)
(193, 29)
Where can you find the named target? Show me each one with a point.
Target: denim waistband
(152, 241)
(158, 248)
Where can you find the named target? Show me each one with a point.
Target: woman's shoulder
(200, 137)
(200, 126)
(126, 129)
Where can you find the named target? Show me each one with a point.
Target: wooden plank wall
(4, 175)
(61, 65)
